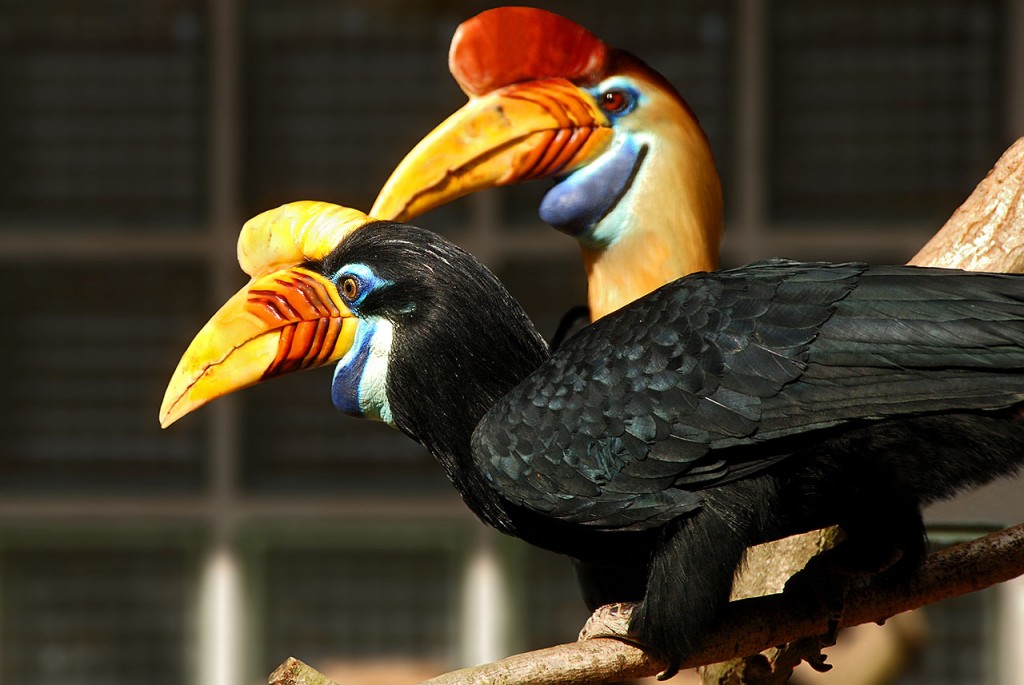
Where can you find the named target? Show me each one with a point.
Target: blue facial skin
(349, 371)
(586, 196)
(581, 200)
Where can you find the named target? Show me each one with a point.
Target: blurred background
(135, 138)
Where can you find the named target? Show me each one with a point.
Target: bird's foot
(612, 620)
(825, 584)
(789, 656)
(828, 577)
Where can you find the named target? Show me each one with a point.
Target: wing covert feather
(631, 419)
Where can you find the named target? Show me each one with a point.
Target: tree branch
(986, 233)
(748, 626)
(294, 672)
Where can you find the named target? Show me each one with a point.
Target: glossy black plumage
(642, 410)
(720, 411)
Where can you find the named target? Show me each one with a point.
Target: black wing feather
(638, 413)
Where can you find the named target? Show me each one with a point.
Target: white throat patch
(373, 397)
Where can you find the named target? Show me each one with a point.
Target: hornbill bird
(636, 180)
(722, 410)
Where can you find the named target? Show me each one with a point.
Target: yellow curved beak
(280, 322)
(524, 131)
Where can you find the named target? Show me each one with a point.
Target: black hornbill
(722, 410)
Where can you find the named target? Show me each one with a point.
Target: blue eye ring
(355, 281)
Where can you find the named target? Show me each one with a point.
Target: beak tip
(167, 416)
(172, 408)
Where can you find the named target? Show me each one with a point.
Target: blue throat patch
(349, 372)
(586, 196)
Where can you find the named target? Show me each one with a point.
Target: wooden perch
(749, 626)
(986, 233)
(294, 672)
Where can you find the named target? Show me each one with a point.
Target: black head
(439, 338)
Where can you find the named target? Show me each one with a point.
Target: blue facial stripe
(585, 197)
(349, 371)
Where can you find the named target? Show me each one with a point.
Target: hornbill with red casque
(637, 184)
(722, 410)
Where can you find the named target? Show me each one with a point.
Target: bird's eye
(350, 288)
(616, 100)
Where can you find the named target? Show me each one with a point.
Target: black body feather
(721, 411)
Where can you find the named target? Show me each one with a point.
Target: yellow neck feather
(671, 220)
